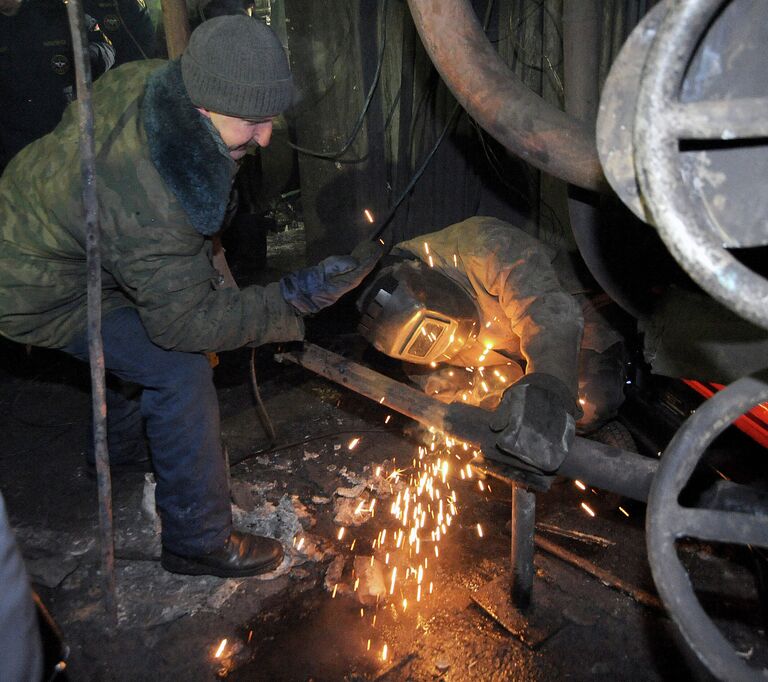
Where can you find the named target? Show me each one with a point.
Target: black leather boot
(242, 555)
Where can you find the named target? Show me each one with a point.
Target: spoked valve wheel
(665, 118)
(668, 521)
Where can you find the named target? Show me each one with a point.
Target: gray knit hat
(235, 65)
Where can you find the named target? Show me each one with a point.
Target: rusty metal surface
(618, 103)
(523, 122)
(667, 521)
(660, 123)
(722, 96)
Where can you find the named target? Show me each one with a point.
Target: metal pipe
(581, 65)
(93, 263)
(601, 466)
(176, 25)
(521, 558)
(499, 101)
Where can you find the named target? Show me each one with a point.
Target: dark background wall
(336, 48)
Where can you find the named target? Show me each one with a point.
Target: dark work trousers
(180, 410)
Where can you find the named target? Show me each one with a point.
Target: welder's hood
(414, 313)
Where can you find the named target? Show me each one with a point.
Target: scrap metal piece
(541, 621)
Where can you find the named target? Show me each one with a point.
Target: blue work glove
(314, 288)
(535, 421)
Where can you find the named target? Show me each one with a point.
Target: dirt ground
(332, 611)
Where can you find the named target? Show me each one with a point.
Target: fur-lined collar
(184, 152)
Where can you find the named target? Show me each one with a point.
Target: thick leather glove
(314, 288)
(535, 421)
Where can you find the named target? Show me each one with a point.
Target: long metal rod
(95, 346)
(601, 466)
(605, 577)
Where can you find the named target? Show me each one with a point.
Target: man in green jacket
(167, 138)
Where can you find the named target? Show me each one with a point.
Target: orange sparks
(300, 545)
(220, 650)
(368, 215)
(368, 648)
(386, 421)
(479, 530)
(455, 261)
(587, 509)
(384, 653)
(579, 485)
(352, 546)
(341, 532)
(431, 262)
(426, 248)
(335, 587)
(394, 576)
(353, 443)
(624, 511)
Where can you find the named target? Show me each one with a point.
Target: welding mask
(414, 313)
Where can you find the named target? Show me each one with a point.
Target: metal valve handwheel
(667, 521)
(663, 119)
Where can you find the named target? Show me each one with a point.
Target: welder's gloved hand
(314, 288)
(535, 421)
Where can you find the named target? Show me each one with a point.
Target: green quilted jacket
(163, 185)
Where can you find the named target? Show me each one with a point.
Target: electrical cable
(376, 232)
(261, 408)
(369, 98)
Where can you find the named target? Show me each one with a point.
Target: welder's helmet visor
(414, 313)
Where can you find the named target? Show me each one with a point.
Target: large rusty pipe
(499, 101)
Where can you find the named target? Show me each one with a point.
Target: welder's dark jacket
(163, 184)
(524, 310)
(37, 71)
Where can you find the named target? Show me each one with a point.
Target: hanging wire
(369, 98)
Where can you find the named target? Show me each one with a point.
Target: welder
(479, 314)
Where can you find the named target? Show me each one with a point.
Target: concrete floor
(306, 621)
